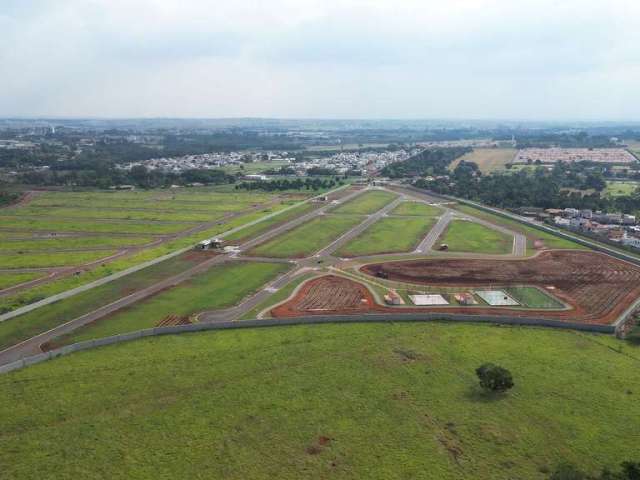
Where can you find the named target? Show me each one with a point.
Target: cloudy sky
(485, 59)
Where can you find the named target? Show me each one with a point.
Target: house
(586, 213)
(628, 219)
(631, 241)
(561, 222)
(571, 212)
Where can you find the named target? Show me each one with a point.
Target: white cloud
(320, 58)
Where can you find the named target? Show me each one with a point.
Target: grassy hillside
(331, 401)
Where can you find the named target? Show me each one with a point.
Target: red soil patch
(329, 294)
(173, 320)
(597, 287)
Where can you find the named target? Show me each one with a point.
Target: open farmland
(389, 235)
(308, 238)
(331, 397)
(488, 159)
(220, 286)
(366, 203)
(467, 236)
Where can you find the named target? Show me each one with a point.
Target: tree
(494, 378)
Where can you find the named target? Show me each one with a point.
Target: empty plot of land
(221, 286)
(619, 189)
(10, 279)
(488, 159)
(467, 236)
(553, 155)
(52, 259)
(37, 321)
(70, 243)
(308, 238)
(186, 215)
(431, 299)
(366, 203)
(389, 235)
(417, 209)
(88, 225)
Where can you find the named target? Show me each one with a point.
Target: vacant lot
(59, 259)
(46, 224)
(44, 318)
(618, 189)
(536, 239)
(465, 236)
(488, 159)
(417, 209)
(221, 286)
(308, 238)
(9, 279)
(533, 297)
(262, 227)
(366, 203)
(70, 243)
(389, 235)
(339, 401)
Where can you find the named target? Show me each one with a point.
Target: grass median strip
(389, 235)
(52, 259)
(307, 238)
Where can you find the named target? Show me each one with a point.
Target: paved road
(358, 229)
(519, 240)
(435, 233)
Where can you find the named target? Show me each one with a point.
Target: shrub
(494, 378)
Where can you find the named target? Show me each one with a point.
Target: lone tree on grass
(494, 378)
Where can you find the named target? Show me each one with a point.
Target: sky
(406, 59)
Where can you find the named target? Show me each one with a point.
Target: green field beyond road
(375, 401)
(466, 236)
(416, 209)
(308, 238)
(221, 286)
(389, 235)
(366, 203)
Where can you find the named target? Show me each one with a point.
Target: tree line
(432, 161)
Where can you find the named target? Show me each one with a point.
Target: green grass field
(219, 287)
(465, 236)
(384, 401)
(365, 203)
(532, 297)
(43, 224)
(52, 259)
(262, 227)
(532, 234)
(44, 318)
(10, 279)
(186, 215)
(618, 189)
(60, 242)
(388, 235)
(29, 296)
(308, 238)
(416, 209)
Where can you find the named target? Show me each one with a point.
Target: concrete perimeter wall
(320, 319)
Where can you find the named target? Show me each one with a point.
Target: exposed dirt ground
(597, 287)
